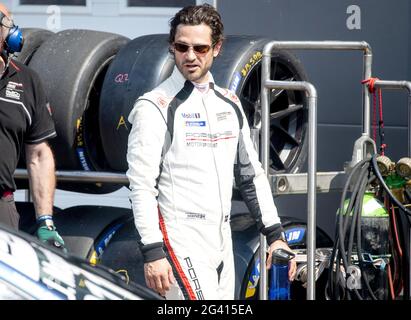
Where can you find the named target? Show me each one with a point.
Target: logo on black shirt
(13, 90)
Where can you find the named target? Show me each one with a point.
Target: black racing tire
(33, 38)
(138, 68)
(123, 253)
(72, 65)
(81, 226)
(238, 67)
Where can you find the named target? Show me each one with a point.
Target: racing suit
(184, 149)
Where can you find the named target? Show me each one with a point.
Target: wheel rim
(287, 115)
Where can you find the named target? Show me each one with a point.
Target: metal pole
(385, 84)
(312, 166)
(265, 74)
(366, 116)
(312, 183)
(82, 176)
(337, 45)
(265, 143)
(388, 84)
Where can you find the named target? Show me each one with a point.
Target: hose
(350, 216)
(364, 277)
(338, 251)
(366, 173)
(346, 213)
(356, 225)
(330, 290)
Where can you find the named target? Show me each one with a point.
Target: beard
(197, 74)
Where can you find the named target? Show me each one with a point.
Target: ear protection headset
(14, 39)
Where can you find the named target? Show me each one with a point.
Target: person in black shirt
(25, 119)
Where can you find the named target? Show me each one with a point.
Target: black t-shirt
(25, 117)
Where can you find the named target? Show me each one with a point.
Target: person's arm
(144, 154)
(41, 170)
(40, 163)
(40, 166)
(255, 190)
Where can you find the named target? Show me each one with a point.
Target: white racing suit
(184, 149)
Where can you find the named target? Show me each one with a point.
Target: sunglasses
(6, 21)
(198, 48)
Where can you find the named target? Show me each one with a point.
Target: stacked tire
(33, 39)
(139, 67)
(72, 65)
(239, 68)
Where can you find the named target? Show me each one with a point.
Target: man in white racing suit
(188, 142)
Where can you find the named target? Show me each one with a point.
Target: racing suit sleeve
(144, 150)
(253, 185)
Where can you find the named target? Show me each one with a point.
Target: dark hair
(195, 15)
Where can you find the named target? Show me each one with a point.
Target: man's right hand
(159, 275)
(49, 234)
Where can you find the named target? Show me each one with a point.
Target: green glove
(47, 233)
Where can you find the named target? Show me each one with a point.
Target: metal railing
(385, 84)
(311, 92)
(82, 176)
(395, 85)
(266, 83)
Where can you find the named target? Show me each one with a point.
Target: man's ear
(217, 48)
(171, 49)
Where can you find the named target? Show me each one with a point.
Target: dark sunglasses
(198, 49)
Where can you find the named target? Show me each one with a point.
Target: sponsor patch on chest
(14, 90)
(223, 115)
(191, 115)
(195, 123)
(209, 140)
(195, 216)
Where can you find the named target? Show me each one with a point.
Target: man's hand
(292, 266)
(159, 275)
(48, 234)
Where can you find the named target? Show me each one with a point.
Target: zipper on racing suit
(215, 166)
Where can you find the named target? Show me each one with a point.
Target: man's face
(5, 24)
(193, 64)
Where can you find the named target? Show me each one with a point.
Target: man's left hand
(292, 264)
